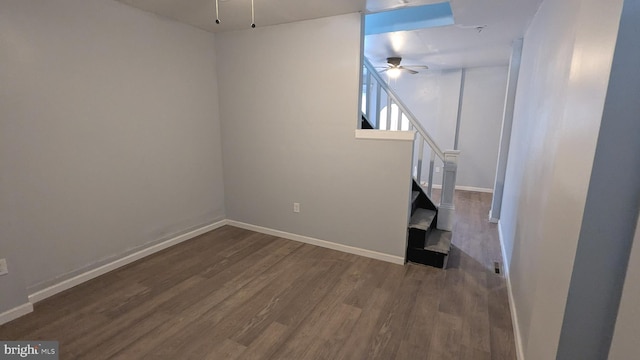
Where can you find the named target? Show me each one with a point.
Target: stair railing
(398, 117)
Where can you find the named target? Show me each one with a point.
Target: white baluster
(431, 162)
(420, 156)
(377, 113)
(368, 97)
(389, 113)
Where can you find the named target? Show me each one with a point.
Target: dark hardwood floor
(236, 294)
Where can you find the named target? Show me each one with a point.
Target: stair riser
(417, 238)
(426, 257)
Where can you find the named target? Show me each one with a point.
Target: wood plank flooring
(236, 294)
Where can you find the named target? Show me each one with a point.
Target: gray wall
(432, 96)
(505, 131)
(109, 136)
(611, 210)
(566, 60)
(288, 113)
(14, 291)
(625, 337)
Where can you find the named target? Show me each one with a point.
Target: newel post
(446, 211)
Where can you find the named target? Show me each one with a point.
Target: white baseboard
(493, 220)
(476, 189)
(512, 307)
(385, 135)
(15, 313)
(101, 270)
(322, 243)
(464, 188)
(86, 276)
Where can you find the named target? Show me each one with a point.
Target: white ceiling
(454, 46)
(236, 14)
(461, 45)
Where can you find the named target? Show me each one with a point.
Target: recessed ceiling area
(409, 18)
(481, 35)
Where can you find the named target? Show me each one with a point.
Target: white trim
(512, 306)
(385, 135)
(15, 313)
(476, 189)
(493, 220)
(322, 243)
(88, 275)
(91, 274)
(463, 188)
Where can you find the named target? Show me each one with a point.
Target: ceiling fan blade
(381, 71)
(417, 66)
(409, 70)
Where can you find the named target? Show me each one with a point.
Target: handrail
(446, 209)
(412, 118)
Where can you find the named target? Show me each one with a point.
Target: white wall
(562, 84)
(611, 209)
(109, 135)
(433, 97)
(480, 125)
(289, 110)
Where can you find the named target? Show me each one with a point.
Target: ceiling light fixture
(217, 14)
(253, 14)
(393, 72)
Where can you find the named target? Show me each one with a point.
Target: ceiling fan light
(393, 73)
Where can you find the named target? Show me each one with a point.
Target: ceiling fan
(394, 68)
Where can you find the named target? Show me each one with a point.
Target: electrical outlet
(437, 169)
(3, 267)
(496, 267)
(296, 207)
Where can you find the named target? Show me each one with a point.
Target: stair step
(427, 257)
(422, 219)
(439, 241)
(414, 196)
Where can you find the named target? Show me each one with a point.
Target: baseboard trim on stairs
(15, 313)
(93, 273)
(317, 242)
(514, 314)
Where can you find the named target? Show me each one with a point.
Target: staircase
(430, 225)
(426, 244)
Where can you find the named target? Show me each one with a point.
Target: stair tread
(438, 241)
(414, 195)
(422, 219)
